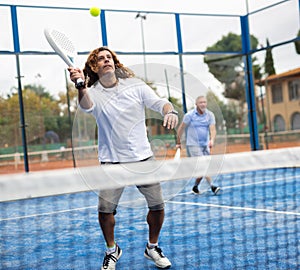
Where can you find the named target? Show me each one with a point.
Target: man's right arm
(83, 97)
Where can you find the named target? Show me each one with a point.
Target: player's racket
(64, 47)
(177, 154)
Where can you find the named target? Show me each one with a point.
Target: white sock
(110, 250)
(152, 245)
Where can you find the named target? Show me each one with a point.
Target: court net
(48, 220)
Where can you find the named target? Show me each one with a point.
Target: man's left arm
(212, 135)
(155, 103)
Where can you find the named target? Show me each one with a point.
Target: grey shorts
(197, 151)
(109, 199)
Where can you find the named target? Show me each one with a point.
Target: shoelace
(159, 251)
(108, 258)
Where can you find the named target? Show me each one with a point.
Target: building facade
(282, 100)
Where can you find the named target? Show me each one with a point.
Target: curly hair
(91, 66)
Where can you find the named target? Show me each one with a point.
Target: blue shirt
(197, 127)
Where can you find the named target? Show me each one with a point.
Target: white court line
(238, 208)
(243, 208)
(244, 185)
(262, 182)
(48, 213)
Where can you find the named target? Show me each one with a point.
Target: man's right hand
(75, 74)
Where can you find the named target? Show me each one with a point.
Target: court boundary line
(262, 182)
(244, 185)
(237, 208)
(48, 213)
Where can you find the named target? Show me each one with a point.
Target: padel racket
(177, 154)
(64, 47)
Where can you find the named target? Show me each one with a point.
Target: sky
(279, 23)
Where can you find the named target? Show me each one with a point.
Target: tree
(297, 43)
(229, 69)
(223, 112)
(42, 113)
(10, 134)
(67, 114)
(39, 90)
(269, 63)
(73, 99)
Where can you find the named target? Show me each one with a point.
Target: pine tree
(297, 44)
(269, 63)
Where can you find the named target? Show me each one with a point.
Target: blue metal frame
(103, 28)
(180, 51)
(14, 20)
(250, 90)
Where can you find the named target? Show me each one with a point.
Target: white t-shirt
(120, 117)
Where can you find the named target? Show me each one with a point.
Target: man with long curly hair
(117, 100)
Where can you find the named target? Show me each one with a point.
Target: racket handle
(80, 84)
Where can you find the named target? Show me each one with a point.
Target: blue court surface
(254, 223)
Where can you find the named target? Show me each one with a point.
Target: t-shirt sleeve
(186, 119)
(212, 119)
(152, 100)
(90, 110)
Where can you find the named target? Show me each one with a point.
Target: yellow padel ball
(95, 11)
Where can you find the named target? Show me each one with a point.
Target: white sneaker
(215, 189)
(110, 260)
(155, 254)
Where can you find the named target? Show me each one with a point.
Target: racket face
(61, 45)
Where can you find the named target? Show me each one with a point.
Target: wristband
(173, 112)
(80, 85)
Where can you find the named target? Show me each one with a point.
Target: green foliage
(64, 127)
(269, 63)
(42, 113)
(39, 90)
(223, 112)
(297, 43)
(229, 70)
